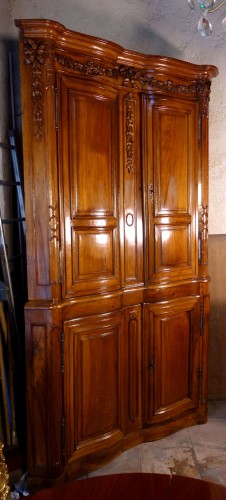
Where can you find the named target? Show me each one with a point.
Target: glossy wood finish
(171, 359)
(135, 487)
(116, 168)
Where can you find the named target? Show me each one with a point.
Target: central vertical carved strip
(130, 113)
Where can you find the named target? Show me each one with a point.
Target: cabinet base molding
(80, 466)
(164, 430)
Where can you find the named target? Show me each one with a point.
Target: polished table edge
(135, 486)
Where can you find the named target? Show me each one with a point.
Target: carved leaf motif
(35, 52)
(129, 132)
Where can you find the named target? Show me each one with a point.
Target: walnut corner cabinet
(116, 191)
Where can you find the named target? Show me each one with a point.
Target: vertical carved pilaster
(203, 93)
(204, 235)
(130, 117)
(35, 53)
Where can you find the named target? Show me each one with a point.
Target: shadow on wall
(132, 25)
(152, 43)
(217, 339)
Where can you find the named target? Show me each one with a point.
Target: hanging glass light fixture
(207, 7)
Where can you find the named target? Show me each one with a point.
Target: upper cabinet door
(88, 156)
(171, 183)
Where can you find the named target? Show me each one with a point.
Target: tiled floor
(198, 451)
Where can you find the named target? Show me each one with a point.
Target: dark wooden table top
(138, 486)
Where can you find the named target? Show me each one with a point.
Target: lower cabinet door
(172, 359)
(92, 383)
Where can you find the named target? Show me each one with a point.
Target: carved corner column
(203, 92)
(4, 476)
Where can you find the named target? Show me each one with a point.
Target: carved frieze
(37, 51)
(130, 74)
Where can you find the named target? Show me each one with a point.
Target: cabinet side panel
(44, 393)
(40, 170)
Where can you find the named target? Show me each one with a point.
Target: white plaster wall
(165, 27)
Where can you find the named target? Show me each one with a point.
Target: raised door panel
(171, 172)
(88, 117)
(132, 396)
(93, 375)
(172, 358)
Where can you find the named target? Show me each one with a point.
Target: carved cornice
(37, 51)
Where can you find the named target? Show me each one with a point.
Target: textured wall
(156, 27)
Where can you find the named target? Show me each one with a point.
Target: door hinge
(199, 129)
(151, 362)
(201, 319)
(61, 265)
(62, 353)
(200, 384)
(63, 418)
(56, 107)
(63, 435)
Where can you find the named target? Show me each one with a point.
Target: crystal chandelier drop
(207, 7)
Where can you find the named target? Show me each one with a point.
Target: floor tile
(128, 461)
(173, 460)
(209, 445)
(198, 451)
